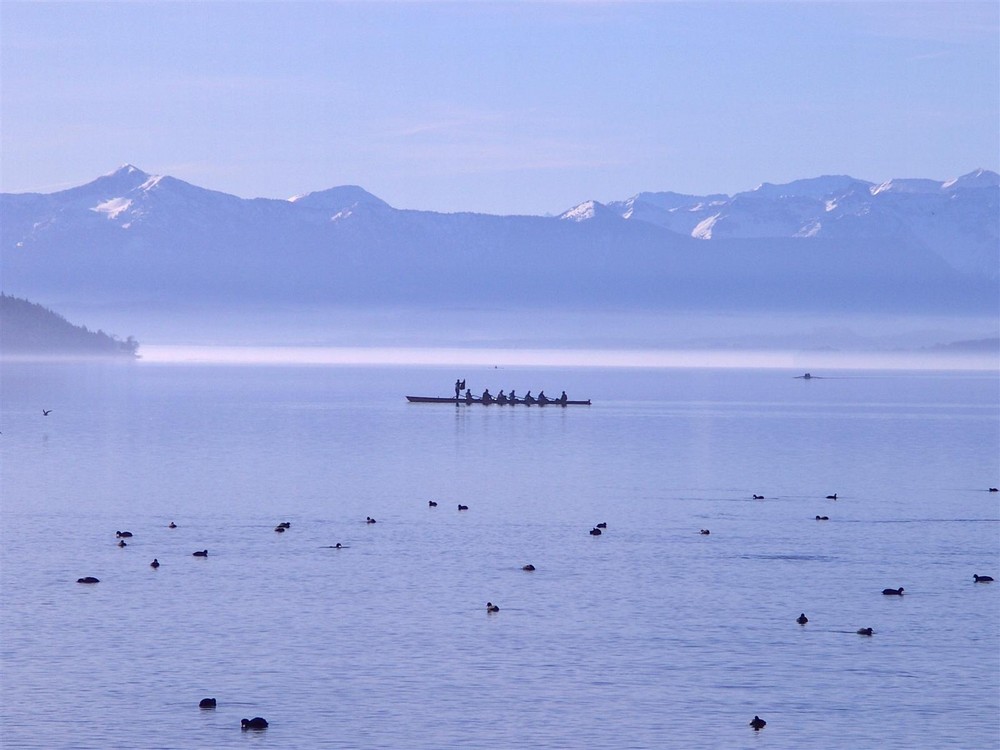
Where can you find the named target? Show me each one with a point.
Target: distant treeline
(29, 328)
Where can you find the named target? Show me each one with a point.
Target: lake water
(650, 636)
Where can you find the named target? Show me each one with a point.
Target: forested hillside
(29, 328)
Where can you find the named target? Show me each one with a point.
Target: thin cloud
(958, 22)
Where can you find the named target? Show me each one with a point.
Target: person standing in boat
(458, 388)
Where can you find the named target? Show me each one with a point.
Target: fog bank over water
(798, 361)
(556, 337)
(542, 329)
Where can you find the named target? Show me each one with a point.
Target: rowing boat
(477, 400)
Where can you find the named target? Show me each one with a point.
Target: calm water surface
(650, 636)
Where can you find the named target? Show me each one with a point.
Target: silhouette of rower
(487, 398)
(563, 399)
(468, 395)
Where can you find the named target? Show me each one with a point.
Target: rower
(512, 397)
(487, 398)
(468, 395)
(528, 398)
(501, 398)
(542, 398)
(563, 399)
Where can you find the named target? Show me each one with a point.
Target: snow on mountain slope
(980, 178)
(588, 211)
(957, 219)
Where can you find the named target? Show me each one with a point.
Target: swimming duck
(88, 579)
(704, 532)
(822, 518)
(802, 619)
(463, 507)
(369, 519)
(432, 504)
(528, 567)
(758, 497)
(121, 543)
(255, 723)
(982, 579)
(283, 525)
(121, 534)
(206, 703)
(280, 529)
(994, 489)
(172, 525)
(491, 607)
(893, 592)
(757, 723)
(832, 497)
(595, 532)
(865, 631)
(202, 553)
(155, 564)
(602, 525)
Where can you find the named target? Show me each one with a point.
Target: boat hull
(475, 400)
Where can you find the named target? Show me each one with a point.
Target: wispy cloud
(951, 21)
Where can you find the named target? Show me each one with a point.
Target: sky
(501, 108)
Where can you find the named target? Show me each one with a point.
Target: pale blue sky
(497, 107)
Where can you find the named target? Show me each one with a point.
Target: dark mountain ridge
(27, 328)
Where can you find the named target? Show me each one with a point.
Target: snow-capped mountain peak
(587, 211)
(338, 199)
(824, 187)
(980, 178)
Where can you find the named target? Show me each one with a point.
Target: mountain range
(831, 244)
